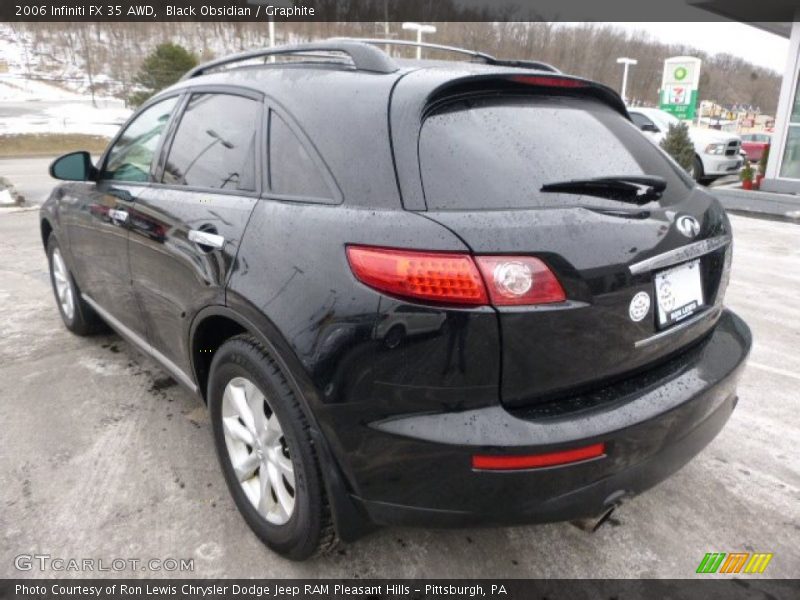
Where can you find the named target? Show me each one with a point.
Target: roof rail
(365, 57)
(486, 58)
(386, 42)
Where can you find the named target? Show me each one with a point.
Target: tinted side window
(497, 152)
(292, 170)
(132, 154)
(215, 144)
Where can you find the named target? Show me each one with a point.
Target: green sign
(684, 110)
(678, 95)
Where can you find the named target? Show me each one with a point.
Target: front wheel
(77, 315)
(264, 447)
(696, 171)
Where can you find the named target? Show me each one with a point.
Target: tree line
(108, 56)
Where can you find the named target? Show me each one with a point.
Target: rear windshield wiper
(636, 189)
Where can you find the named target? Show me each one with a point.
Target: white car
(716, 153)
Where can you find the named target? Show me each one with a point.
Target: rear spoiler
(539, 82)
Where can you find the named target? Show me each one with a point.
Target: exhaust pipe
(592, 524)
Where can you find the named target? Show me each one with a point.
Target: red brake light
(519, 281)
(534, 461)
(454, 278)
(436, 276)
(549, 81)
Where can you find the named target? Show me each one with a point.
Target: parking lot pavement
(103, 456)
(30, 177)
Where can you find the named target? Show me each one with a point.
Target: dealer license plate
(679, 293)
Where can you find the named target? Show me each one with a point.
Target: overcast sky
(757, 46)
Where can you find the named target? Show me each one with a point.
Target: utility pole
(627, 62)
(387, 48)
(420, 29)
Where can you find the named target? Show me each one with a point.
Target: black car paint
(370, 368)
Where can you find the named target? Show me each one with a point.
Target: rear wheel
(264, 447)
(77, 315)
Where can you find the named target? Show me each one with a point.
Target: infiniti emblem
(687, 225)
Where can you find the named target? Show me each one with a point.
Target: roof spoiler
(564, 84)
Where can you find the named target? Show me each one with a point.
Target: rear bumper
(420, 470)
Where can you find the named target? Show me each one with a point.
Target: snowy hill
(35, 100)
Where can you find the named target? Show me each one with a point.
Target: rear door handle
(206, 238)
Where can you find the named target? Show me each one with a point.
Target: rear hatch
(506, 170)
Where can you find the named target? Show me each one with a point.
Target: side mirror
(650, 127)
(75, 166)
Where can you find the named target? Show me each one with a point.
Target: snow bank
(68, 117)
(15, 88)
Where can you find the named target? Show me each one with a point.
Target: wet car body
(401, 413)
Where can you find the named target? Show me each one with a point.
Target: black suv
(411, 292)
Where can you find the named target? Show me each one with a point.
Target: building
(783, 167)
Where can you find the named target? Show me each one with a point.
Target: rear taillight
(519, 280)
(455, 279)
(436, 276)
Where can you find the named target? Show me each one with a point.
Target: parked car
(716, 153)
(410, 292)
(754, 145)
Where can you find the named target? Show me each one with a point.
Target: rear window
(497, 152)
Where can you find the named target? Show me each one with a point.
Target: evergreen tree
(163, 67)
(678, 145)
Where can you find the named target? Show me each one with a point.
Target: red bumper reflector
(534, 461)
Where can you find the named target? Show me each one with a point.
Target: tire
(246, 379)
(77, 315)
(697, 172)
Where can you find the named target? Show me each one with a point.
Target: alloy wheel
(63, 287)
(258, 451)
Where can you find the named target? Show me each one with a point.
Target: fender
(350, 521)
(50, 212)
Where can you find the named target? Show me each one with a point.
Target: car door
(186, 227)
(98, 218)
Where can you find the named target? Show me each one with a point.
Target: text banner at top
(764, 11)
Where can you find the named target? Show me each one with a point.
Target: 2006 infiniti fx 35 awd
(410, 292)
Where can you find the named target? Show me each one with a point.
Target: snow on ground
(67, 117)
(30, 106)
(17, 88)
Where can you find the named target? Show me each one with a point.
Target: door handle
(206, 238)
(117, 215)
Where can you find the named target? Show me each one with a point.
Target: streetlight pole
(271, 20)
(420, 29)
(627, 62)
